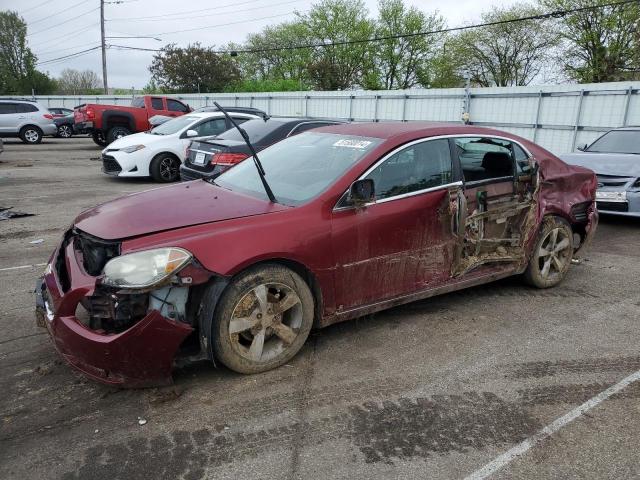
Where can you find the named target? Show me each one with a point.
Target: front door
(403, 241)
(499, 198)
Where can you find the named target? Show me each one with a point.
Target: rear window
(256, 129)
(137, 102)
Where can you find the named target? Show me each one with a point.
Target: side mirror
(362, 192)
(191, 133)
(583, 147)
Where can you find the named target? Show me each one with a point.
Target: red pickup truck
(107, 123)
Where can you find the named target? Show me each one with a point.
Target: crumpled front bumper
(140, 356)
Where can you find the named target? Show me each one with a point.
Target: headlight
(132, 148)
(144, 269)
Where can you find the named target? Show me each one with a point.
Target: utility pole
(104, 50)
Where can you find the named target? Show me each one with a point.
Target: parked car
(107, 123)
(160, 151)
(160, 119)
(615, 157)
(209, 157)
(25, 119)
(64, 125)
(59, 112)
(364, 217)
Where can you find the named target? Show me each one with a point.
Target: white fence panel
(558, 117)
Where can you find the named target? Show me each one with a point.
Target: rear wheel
(65, 131)
(262, 319)
(165, 168)
(552, 254)
(31, 134)
(98, 139)
(116, 133)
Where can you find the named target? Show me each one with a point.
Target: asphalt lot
(433, 389)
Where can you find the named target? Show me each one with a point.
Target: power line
(33, 8)
(71, 55)
(62, 23)
(209, 15)
(225, 24)
(164, 15)
(67, 36)
(57, 13)
(543, 16)
(57, 50)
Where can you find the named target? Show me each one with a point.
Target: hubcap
(168, 168)
(31, 135)
(554, 253)
(265, 322)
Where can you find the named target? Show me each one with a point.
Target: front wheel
(552, 254)
(165, 168)
(65, 131)
(262, 319)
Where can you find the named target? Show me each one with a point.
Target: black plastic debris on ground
(6, 213)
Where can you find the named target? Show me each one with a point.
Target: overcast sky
(62, 27)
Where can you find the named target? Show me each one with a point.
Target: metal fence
(558, 117)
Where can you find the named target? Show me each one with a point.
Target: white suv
(25, 119)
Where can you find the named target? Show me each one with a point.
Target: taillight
(90, 113)
(222, 158)
(48, 116)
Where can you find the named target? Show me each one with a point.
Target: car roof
(408, 130)
(220, 114)
(632, 128)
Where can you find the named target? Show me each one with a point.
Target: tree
(402, 62)
(17, 62)
(600, 45)
(76, 82)
(506, 54)
(267, 64)
(338, 67)
(192, 69)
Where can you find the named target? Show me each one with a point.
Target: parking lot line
(22, 266)
(510, 455)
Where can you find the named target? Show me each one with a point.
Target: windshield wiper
(256, 160)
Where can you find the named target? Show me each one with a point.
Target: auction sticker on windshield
(350, 143)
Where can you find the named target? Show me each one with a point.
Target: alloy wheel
(168, 168)
(32, 136)
(554, 253)
(65, 131)
(265, 322)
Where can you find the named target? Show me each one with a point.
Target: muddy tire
(31, 135)
(115, 133)
(551, 255)
(98, 139)
(165, 167)
(262, 319)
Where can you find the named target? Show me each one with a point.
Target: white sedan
(159, 152)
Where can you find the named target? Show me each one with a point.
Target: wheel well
(118, 122)
(166, 153)
(29, 126)
(306, 275)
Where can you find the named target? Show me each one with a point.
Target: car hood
(167, 208)
(143, 138)
(619, 164)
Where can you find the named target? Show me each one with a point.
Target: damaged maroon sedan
(346, 220)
